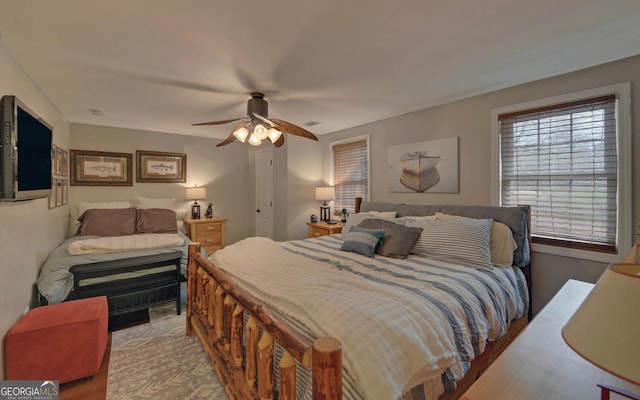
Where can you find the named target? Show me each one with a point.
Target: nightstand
(209, 232)
(540, 365)
(322, 228)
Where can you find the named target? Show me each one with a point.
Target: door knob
(258, 210)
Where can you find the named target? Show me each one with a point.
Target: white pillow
(355, 219)
(144, 202)
(502, 242)
(80, 208)
(458, 241)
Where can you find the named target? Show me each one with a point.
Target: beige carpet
(157, 361)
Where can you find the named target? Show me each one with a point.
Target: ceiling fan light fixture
(273, 134)
(241, 134)
(254, 140)
(260, 132)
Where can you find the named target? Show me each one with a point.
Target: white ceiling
(161, 65)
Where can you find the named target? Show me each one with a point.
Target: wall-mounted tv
(25, 156)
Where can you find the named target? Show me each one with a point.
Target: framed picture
(58, 185)
(425, 167)
(65, 191)
(65, 163)
(54, 159)
(98, 168)
(59, 165)
(155, 166)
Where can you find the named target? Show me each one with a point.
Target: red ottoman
(63, 342)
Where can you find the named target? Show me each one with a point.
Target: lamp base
(325, 213)
(195, 210)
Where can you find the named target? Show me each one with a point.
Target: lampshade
(325, 193)
(605, 330)
(196, 193)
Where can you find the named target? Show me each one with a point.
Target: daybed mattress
(408, 327)
(55, 282)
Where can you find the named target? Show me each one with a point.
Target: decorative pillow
(156, 220)
(502, 242)
(355, 219)
(361, 240)
(81, 207)
(397, 240)
(144, 202)
(108, 222)
(463, 241)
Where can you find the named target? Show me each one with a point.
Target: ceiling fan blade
(221, 122)
(279, 142)
(292, 129)
(228, 140)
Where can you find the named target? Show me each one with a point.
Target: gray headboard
(517, 218)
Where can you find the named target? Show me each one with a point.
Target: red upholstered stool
(63, 342)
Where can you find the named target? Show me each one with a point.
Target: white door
(264, 192)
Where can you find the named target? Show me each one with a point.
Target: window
(566, 159)
(350, 172)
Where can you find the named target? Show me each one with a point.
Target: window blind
(350, 173)
(562, 160)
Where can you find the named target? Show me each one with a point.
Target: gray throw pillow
(397, 240)
(108, 222)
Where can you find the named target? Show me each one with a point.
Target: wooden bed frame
(244, 358)
(128, 294)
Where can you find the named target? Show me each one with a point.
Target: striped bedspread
(406, 326)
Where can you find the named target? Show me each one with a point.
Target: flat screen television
(25, 156)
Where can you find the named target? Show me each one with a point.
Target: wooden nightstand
(540, 365)
(322, 228)
(208, 231)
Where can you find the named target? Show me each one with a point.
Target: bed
(274, 318)
(136, 257)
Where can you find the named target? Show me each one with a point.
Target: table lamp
(605, 329)
(196, 193)
(325, 193)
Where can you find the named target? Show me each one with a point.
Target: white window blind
(562, 160)
(350, 173)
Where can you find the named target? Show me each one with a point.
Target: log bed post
(327, 369)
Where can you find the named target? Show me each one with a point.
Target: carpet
(157, 361)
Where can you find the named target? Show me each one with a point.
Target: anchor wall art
(429, 166)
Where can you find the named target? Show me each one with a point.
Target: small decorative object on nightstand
(208, 232)
(323, 228)
(209, 212)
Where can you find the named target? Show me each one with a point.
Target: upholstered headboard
(517, 218)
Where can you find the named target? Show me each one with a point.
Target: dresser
(322, 228)
(539, 365)
(209, 232)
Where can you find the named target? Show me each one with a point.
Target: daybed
(274, 317)
(136, 257)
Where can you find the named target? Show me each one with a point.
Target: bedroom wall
(223, 171)
(28, 229)
(470, 120)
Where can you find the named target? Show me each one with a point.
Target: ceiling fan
(256, 126)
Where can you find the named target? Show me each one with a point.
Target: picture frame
(430, 166)
(59, 191)
(161, 167)
(59, 161)
(99, 168)
(65, 191)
